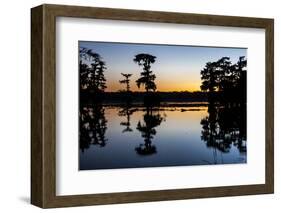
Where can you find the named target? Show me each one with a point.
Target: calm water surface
(135, 136)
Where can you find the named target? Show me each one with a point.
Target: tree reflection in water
(126, 111)
(93, 126)
(151, 119)
(224, 127)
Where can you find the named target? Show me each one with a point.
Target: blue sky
(177, 68)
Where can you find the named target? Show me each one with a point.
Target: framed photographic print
(135, 106)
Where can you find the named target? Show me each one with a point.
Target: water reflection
(126, 111)
(151, 119)
(93, 126)
(224, 127)
(134, 135)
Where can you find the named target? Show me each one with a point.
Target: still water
(176, 135)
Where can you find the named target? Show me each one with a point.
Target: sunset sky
(177, 68)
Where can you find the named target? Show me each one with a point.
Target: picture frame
(43, 105)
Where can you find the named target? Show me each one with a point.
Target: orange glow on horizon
(164, 87)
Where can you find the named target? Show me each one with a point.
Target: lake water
(175, 135)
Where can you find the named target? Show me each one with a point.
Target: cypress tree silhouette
(147, 77)
(126, 81)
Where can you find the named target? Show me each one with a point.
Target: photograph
(159, 105)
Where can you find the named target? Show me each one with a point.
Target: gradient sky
(177, 68)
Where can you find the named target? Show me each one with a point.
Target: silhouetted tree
(208, 77)
(84, 71)
(222, 72)
(215, 74)
(100, 79)
(87, 54)
(147, 77)
(239, 71)
(92, 69)
(239, 68)
(126, 81)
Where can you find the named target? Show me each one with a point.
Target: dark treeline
(138, 97)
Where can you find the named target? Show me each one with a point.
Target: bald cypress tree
(147, 77)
